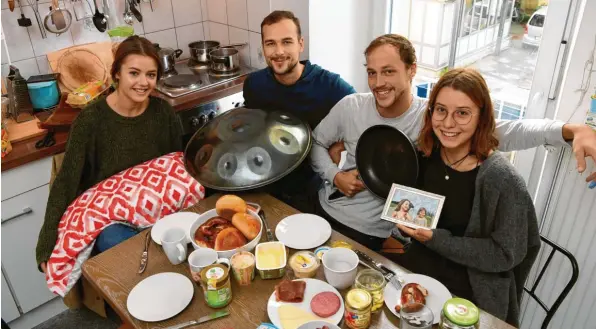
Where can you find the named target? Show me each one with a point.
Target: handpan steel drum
(244, 149)
(385, 155)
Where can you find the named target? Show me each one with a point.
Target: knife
(389, 275)
(145, 254)
(202, 319)
(267, 230)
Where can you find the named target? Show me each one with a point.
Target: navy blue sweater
(310, 98)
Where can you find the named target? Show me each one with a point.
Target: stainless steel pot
(225, 59)
(199, 50)
(167, 57)
(244, 149)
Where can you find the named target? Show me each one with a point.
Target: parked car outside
(533, 30)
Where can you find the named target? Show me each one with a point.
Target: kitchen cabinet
(9, 307)
(26, 178)
(22, 217)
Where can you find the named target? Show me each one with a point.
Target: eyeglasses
(460, 116)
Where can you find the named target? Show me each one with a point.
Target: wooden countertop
(24, 151)
(114, 274)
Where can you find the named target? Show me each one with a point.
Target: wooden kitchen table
(114, 274)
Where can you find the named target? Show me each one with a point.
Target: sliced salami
(325, 304)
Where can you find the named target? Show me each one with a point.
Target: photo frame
(413, 207)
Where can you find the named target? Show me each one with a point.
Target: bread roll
(228, 205)
(228, 239)
(247, 224)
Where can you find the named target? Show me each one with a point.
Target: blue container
(43, 94)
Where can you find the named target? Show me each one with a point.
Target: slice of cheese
(292, 317)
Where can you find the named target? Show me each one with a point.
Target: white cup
(174, 243)
(201, 258)
(340, 266)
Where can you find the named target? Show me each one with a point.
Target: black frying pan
(384, 156)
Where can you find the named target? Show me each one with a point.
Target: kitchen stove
(198, 76)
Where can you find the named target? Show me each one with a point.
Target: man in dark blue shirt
(297, 87)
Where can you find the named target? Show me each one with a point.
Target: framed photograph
(412, 207)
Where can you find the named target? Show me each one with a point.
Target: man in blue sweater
(297, 87)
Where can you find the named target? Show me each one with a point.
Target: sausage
(325, 304)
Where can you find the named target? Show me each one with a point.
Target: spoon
(128, 16)
(99, 19)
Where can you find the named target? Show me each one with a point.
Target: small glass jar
(373, 282)
(459, 313)
(215, 281)
(358, 305)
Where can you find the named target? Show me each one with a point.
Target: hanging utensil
(99, 19)
(58, 20)
(11, 5)
(57, 16)
(135, 11)
(23, 21)
(128, 16)
(35, 6)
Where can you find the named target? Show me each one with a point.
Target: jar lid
(359, 299)
(461, 312)
(215, 273)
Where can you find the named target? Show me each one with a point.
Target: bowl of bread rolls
(231, 227)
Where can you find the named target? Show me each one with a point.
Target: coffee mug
(174, 244)
(201, 258)
(340, 267)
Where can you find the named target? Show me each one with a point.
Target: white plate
(160, 297)
(313, 287)
(180, 219)
(438, 294)
(317, 325)
(303, 231)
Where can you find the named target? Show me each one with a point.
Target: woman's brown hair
(134, 45)
(471, 83)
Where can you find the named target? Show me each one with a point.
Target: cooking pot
(225, 59)
(244, 149)
(167, 57)
(199, 50)
(384, 156)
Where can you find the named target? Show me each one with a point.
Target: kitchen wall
(173, 23)
(358, 21)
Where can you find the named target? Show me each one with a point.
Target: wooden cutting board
(62, 118)
(21, 131)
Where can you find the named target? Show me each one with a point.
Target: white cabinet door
(19, 239)
(9, 307)
(26, 177)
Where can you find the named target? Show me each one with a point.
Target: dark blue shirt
(310, 98)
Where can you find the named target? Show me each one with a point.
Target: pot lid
(384, 156)
(244, 149)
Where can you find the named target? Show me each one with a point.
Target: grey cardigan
(501, 241)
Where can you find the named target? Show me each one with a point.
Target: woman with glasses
(487, 236)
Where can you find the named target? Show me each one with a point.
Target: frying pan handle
(178, 52)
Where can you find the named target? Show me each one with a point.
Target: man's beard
(289, 70)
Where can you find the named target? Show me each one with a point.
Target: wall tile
(17, 38)
(51, 43)
(217, 11)
(4, 54)
(204, 10)
(26, 67)
(206, 30)
(257, 10)
(219, 32)
(162, 17)
(187, 34)
(241, 36)
(237, 14)
(257, 60)
(81, 34)
(187, 12)
(166, 38)
(43, 65)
